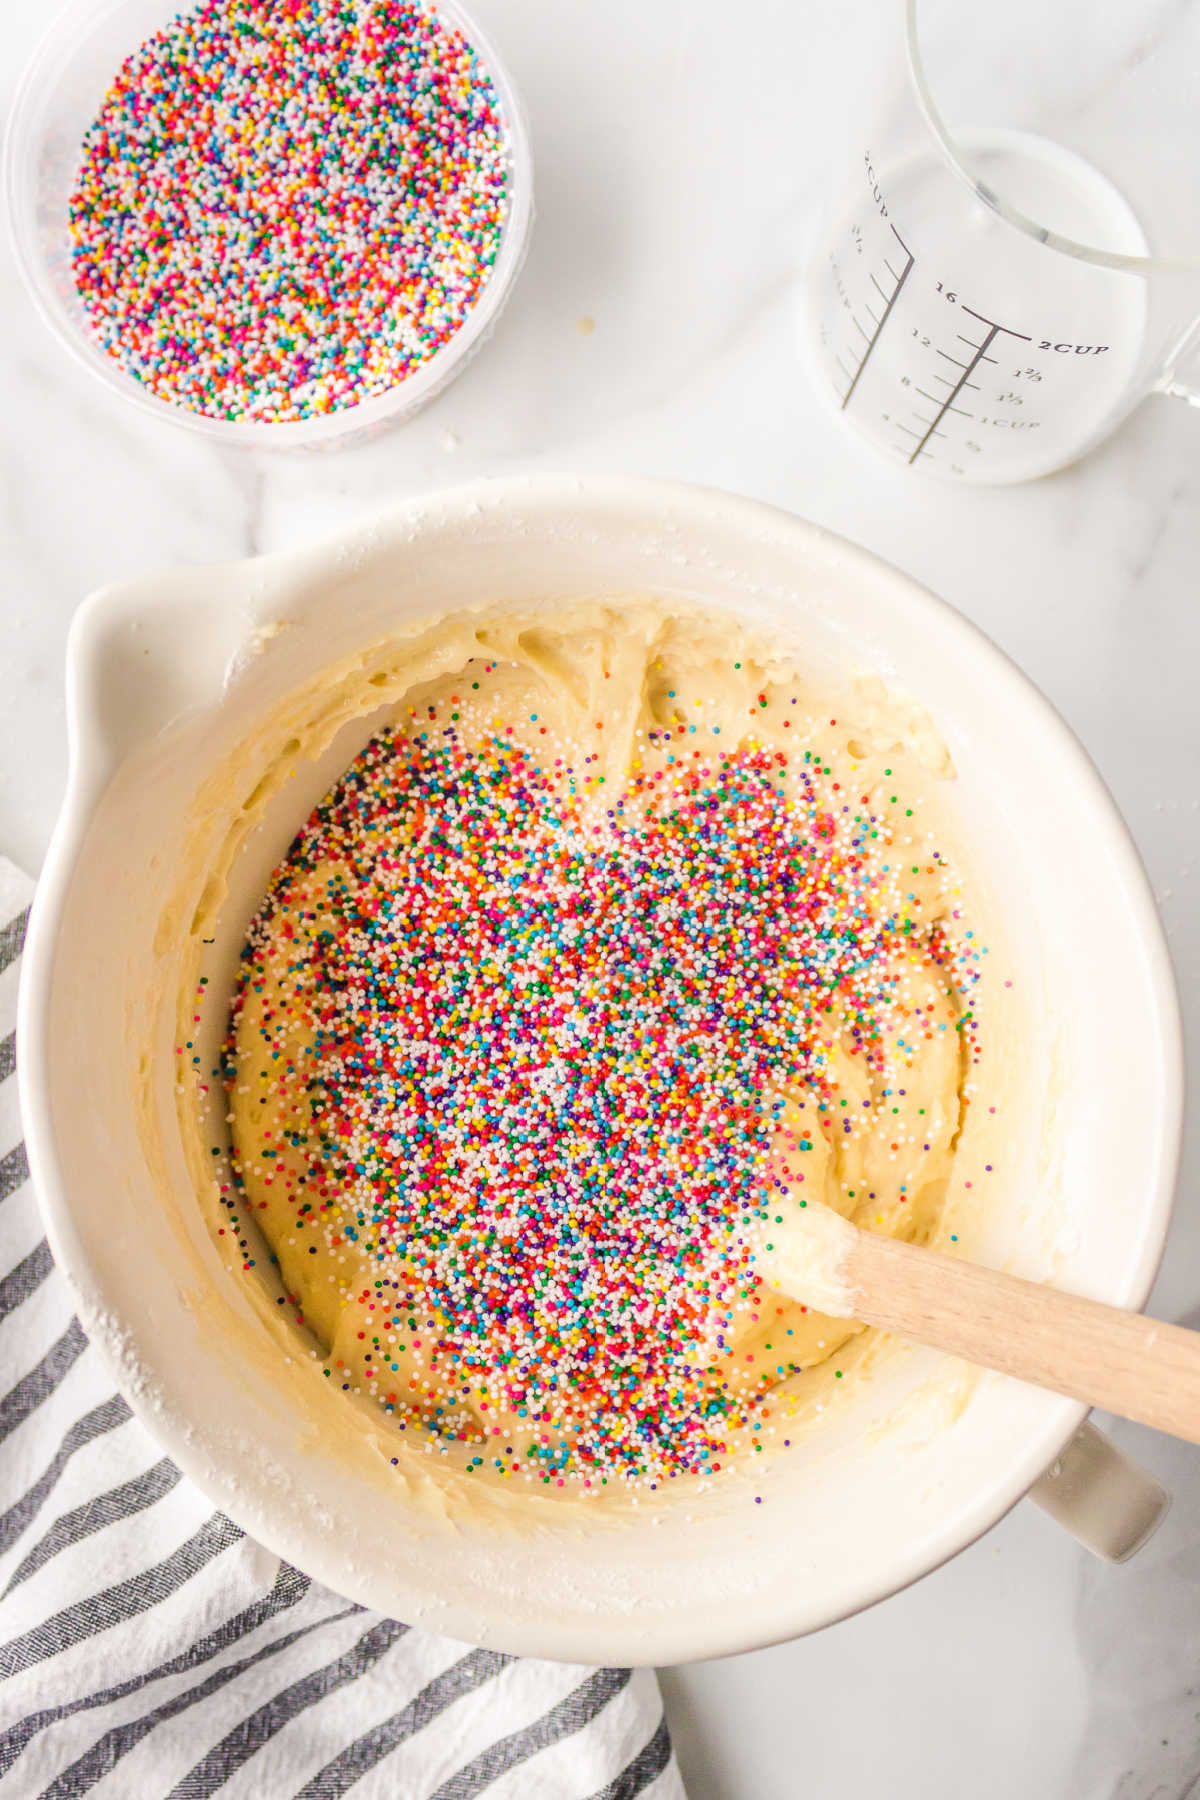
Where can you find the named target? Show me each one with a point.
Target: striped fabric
(148, 1648)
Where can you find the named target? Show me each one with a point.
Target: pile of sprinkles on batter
(531, 1037)
(286, 207)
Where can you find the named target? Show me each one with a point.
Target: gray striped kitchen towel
(149, 1649)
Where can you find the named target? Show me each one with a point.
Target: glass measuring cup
(1011, 259)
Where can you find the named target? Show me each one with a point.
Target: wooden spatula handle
(1124, 1362)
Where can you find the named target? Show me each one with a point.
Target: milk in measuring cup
(961, 342)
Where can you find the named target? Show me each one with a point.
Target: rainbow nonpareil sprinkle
(529, 1046)
(286, 207)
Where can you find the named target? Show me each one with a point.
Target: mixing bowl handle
(143, 653)
(1106, 1500)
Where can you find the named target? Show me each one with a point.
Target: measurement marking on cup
(1006, 329)
(936, 401)
(878, 332)
(968, 369)
(946, 381)
(958, 385)
(952, 396)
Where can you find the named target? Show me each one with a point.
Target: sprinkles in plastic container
(291, 218)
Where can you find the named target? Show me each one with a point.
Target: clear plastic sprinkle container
(60, 97)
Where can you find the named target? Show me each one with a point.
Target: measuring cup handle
(1108, 1502)
(1182, 376)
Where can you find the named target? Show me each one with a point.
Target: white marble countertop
(677, 161)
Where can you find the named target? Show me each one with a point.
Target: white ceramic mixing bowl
(171, 679)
